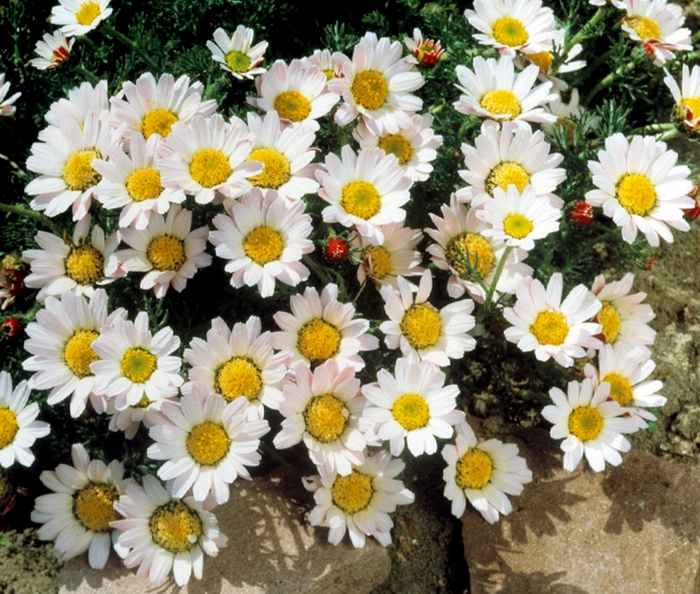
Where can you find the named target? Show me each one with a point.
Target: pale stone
(271, 549)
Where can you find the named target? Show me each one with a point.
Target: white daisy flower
(512, 25)
(484, 473)
(165, 534)
(365, 190)
(494, 91)
(423, 332)
(425, 51)
(151, 107)
(238, 362)
(167, 250)
(469, 256)
(132, 181)
(591, 423)
(641, 188)
(235, 54)
(321, 328)
(79, 17)
(323, 408)
(395, 256)
(18, 427)
(616, 3)
(77, 266)
(550, 327)
(206, 443)
(78, 512)
(61, 344)
(571, 115)
(687, 109)
(359, 503)
(330, 64)
(263, 238)
(207, 156)
(133, 362)
(53, 51)
(298, 93)
(414, 145)
(6, 105)
(519, 218)
(377, 84)
(81, 101)
(412, 407)
(146, 412)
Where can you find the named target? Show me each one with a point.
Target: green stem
(496, 276)
(32, 214)
(359, 292)
(696, 37)
(135, 46)
(651, 128)
(607, 81)
(595, 19)
(213, 89)
(667, 135)
(93, 78)
(311, 263)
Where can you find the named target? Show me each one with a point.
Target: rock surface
(271, 550)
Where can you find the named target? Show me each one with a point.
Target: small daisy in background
(686, 112)
(6, 104)
(53, 51)
(235, 54)
(145, 412)
(330, 64)
(80, 102)
(79, 17)
(426, 51)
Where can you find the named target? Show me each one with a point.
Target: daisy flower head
(641, 188)
(359, 503)
(590, 423)
(686, 112)
(320, 328)
(422, 331)
(553, 328)
(80, 102)
(79, 17)
(133, 362)
(323, 408)
(493, 91)
(146, 412)
(18, 427)
(414, 145)
(330, 64)
(6, 105)
(163, 533)
(53, 51)
(484, 473)
(365, 190)
(206, 157)
(206, 443)
(570, 116)
(60, 342)
(263, 238)
(237, 54)
(512, 25)
(78, 512)
(79, 265)
(167, 250)
(426, 51)
(236, 363)
(468, 255)
(377, 83)
(412, 407)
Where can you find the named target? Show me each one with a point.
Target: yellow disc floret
(692, 103)
(645, 27)
(239, 376)
(550, 327)
(352, 493)
(158, 121)
(144, 184)
(85, 265)
(636, 194)
(263, 244)
(78, 172)
(501, 102)
(585, 422)
(175, 526)
(517, 225)
(93, 506)
(474, 249)
(543, 60)
(609, 319)
(507, 173)
(421, 325)
(411, 411)
(473, 469)
(369, 89)
(318, 340)
(377, 261)
(292, 105)
(8, 427)
(166, 252)
(87, 13)
(210, 168)
(208, 443)
(138, 364)
(276, 169)
(510, 32)
(325, 417)
(398, 145)
(620, 388)
(361, 199)
(78, 353)
(237, 61)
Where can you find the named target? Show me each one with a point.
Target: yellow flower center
(276, 169)
(510, 32)
(85, 265)
(138, 364)
(473, 248)
(166, 252)
(473, 469)
(369, 89)
(411, 411)
(543, 60)
(694, 104)
(421, 325)
(175, 526)
(208, 443)
(292, 105)
(352, 493)
(636, 194)
(237, 61)
(325, 417)
(78, 172)
(620, 388)
(398, 145)
(501, 102)
(263, 244)
(78, 354)
(517, 225)
(8, 427)
(145, 402)
(87, 13)
(237, 377)
(361, 199)
(377, 261)
(609, 319)
(210, 168)
(93, 506)
(158, 121)
(318, 340)
(507, 173)
(645, 27)
(550, 327)
(585, 422)
(144, 184)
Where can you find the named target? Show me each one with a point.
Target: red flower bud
(693, 213)
(336, 250)
(582, 213)
(650, 264)
(11, 327)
